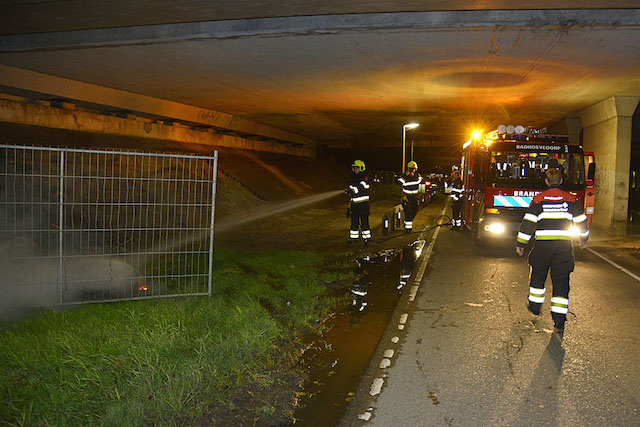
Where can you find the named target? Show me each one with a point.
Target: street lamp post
(404, 138)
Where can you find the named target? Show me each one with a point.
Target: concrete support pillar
(574, 128)
(607, 132)
(570, 126)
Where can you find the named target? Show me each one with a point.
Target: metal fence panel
(80, 226)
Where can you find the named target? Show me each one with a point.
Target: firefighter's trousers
(410, 211)
(360, 221)
(556, 255)
(456, 216)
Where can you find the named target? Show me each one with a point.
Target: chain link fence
(80, 226)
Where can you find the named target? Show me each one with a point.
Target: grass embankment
(163, 361)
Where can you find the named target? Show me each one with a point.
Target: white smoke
(27, 283)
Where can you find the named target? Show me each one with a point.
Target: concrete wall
(607, 132)
(82, 121)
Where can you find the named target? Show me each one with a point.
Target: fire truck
(505, 169)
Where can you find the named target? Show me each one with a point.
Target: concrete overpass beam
(23, 82)
(33, 114)
(607, 132)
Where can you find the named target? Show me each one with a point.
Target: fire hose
(446, 220)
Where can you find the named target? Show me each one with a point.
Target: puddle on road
(337, 360)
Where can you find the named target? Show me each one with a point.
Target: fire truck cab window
(577, 170)
(527, 169)
(479, 167)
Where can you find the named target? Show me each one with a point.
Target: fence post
(213, 209)
(61, 278)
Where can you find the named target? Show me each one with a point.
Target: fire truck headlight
(495, 228)
(574, 231)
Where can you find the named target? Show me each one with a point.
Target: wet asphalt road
(471, 354)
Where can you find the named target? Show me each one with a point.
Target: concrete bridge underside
(286, 77)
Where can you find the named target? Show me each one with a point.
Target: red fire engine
(504, 170)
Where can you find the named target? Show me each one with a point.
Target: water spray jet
(275, 209)
(255, 215)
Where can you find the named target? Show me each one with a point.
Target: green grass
(163, 361)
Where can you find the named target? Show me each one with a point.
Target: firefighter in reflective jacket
(359, 209)
(457, 196)
(554, 217)
(410, 188)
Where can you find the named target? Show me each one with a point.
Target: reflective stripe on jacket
(359, 188)
(553, 215)
(457, 190)
(410, 184)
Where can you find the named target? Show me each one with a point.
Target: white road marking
(365, 416)
(376, 386)
(427, 254)
(412, 294)
(619, 267)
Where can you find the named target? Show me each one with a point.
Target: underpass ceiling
(37, 16)
(329, 76)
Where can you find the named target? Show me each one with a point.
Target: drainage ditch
(337, 359)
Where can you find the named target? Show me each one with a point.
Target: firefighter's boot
(534, 308)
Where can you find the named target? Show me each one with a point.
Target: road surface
(471, 354)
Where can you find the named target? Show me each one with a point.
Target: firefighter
(410, 181)
(457, 196)
(554, 217)
(359, 208)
